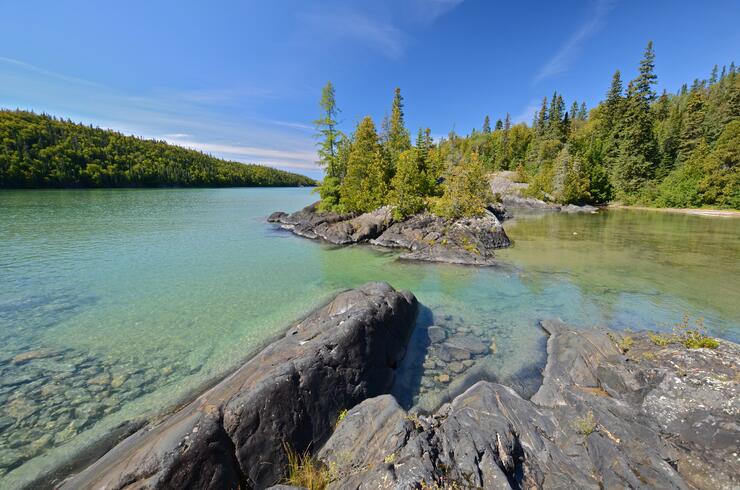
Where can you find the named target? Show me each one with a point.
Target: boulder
(461, 348)
(655, 417)
(232, 436)
(436, 334)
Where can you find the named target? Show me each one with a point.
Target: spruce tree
(364, 188)
(582, 112)
(611, 110)
(644, 82)
(693, 121)
(542, 118)
(398, 136)
(487, 125)
(499, 125)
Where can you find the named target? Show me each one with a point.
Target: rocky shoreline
(424, 237)
(614, 410)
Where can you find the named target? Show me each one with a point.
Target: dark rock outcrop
(655, 417)
(426, 237)
(431, 238)
(233, 435)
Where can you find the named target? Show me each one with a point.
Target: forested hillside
(42, 151)
(678, 149)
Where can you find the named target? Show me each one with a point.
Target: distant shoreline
(724, 213)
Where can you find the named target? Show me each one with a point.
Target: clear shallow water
(115, 304)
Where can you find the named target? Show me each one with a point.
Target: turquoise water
(116, 304)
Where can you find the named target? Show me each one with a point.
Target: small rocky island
(614, 410)
(424, 236)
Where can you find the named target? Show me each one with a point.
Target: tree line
(372, 168)
(673, 150)
(37, 150)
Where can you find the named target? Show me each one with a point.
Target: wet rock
(461, 347)
(34, 354)
(436, 334)
(10, 458)
(102, 379)
(457, 367)
(118, 380)
(232, 436)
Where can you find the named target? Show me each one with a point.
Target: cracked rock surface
(232, 436)
(651, 417)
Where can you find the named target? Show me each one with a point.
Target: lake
(118, 304)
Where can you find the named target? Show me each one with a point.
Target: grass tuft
(306, 471)
(585, 425)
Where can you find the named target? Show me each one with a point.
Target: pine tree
(364, 188)
(612, 107)
(398, 136)
(555, 129)
(499, 125)
(582, 112)
(646, 78)
(487, 125)
(691, 132)
(573, 111)
(327, 130)
(541, 125)
(713, 75)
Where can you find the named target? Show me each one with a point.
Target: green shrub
(585, 425)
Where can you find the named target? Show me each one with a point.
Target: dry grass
(306, 471)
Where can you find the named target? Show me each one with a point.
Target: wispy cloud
(248, 154)
(568, 51)
(193, 120)
(356, 26)
(45, 73)
(427, 11)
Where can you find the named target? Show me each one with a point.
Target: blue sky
(241, 79)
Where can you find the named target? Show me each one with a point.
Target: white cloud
(46, 73)
(564, 57)
(194, 121)
(428, 11)
(378, 34)
(253, 154)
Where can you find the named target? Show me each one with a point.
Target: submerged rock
(233, 435)
(653, 418)
(426, 237)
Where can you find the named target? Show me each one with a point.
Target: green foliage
(585, 425)
(365, 186)
(408, 185)
(42, 151)
(690, 336)
(466, 190)
(340, 416)
(327, 130)
(674, 150)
